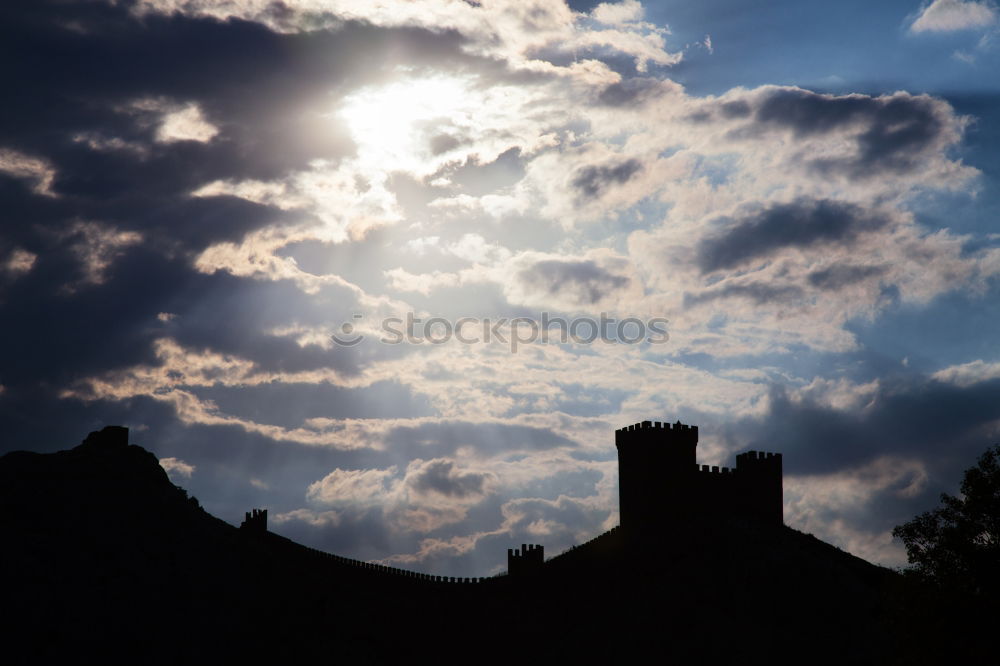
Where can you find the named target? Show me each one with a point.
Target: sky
(305, 250)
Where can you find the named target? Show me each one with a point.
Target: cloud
(890, 132)
(177, 468)
(829, 505)
(19, 262)
(441, 476)
(944, 424)
(223, 183)
(186, 124)
(35, 169)
(512, 30)
(860, 459)
(635, 91)
(839, 276)
(619, 13)
(429, 495)
(799, 224)
(969, 374)
(351, 486)
(756, 292)
(593, 180)
(97, 246)
(952, 15)
(579, 282)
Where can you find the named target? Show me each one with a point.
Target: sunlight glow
(405, 125)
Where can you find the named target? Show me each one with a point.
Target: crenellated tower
(655, 461)
(255, 521)
(760, 481)
(527, 561)
(661, 484)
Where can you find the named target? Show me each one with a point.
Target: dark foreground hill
(106, 561)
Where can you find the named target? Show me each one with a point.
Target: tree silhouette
(957, 545)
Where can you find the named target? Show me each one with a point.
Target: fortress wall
(378, 570)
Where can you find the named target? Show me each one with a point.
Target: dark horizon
(109, 560)
(398, 272)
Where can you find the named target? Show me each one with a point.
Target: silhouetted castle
(660, 482)
(255, 520)
(661, 487)
(527, 561)
(723, 592)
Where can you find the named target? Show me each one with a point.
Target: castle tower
(255, 521)
(656, 464)
(527, 561)
(660, 484)
(759, 482)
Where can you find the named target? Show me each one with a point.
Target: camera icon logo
(348, 338)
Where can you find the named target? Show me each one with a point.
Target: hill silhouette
(106, 560)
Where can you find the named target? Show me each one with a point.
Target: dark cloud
(442, 143)
(80, 67)
(584, 282)
(894, 134)
(593, 180)
(443, 439)
(441, 476)
(839, 276)
(757, 292)
(289, 404)
(630, 92)
(477, 179)
(807, 113)
(78, 70)
(800, 224)
(737, 109)
(943, 424)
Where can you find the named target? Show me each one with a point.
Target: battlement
(528, 560)
(255, 521)
(715, 469)
(676, 440)
(677, 427)
(756, 457)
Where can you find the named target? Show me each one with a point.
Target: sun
(407, 125)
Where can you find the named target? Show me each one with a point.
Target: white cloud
(97, 246)
(951, 15)
(185, 124)
(35, 169)
(618, 13)
(968, 374)
(822, 505)
(353, 487)
(512, 30)
(177, 468)
(19, 262)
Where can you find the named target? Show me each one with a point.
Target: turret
(760, 483)
(527, 561)
(255, 521)
(655, 464)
